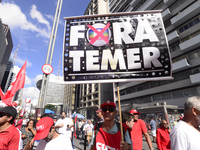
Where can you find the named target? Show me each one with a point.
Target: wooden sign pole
(120, 115)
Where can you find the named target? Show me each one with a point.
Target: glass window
(156, 97)
(177, 94)
(186, 27)
(166, 96)
(196, 20)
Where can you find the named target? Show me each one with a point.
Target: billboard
(119, 47)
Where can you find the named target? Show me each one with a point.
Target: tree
(49, 106)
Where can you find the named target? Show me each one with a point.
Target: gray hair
(191, 102)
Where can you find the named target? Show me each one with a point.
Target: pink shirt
(138, 129)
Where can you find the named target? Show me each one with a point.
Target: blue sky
(30, 22)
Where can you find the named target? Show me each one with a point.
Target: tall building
(181, 20)
(8, 76)
(54, 92)
(69, 99)
(91, 96)
(6, 46)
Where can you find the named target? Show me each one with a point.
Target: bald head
(164, 124)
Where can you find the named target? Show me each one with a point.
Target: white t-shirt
(184, 137)
(64, 130)
(62, 142)
(88, 128)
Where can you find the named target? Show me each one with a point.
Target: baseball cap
(108, 103)
(99, 110)
(134, 111)
(42, 128)
(9, 110)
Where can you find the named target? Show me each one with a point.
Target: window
(177, 94)
(156, 97)
(166, 96)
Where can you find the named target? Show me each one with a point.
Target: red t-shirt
(138, 129)
(106, 140)
(10, 139)
(162, 139)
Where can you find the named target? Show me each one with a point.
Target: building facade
(6, 46)
(91, 96)
(181, 20)
(69, 99)
(54, 92)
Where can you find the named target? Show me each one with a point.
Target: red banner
(17, 84)
(75, 121)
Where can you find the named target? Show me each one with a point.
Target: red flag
(1, 93)
(75, 120)
(20, 80)
(17, 84)
(7, 101)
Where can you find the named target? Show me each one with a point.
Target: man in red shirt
(108, 135)
(9, 135)
(138, 129)
(162, 136)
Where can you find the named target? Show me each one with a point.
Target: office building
(181, 20)
(6, 46)
(54, 92)
(91, 96)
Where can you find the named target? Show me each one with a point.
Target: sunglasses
(3, 114)
(108, 109)
(165, 123)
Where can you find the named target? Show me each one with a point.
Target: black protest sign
(116, 48)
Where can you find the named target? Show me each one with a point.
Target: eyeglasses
(165, 123)
(134, 114)
(110, 109)
(2, 114)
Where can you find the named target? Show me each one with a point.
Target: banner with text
(119, 47)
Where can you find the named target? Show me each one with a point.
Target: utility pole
(45, 78)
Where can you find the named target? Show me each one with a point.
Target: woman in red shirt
(162, 136)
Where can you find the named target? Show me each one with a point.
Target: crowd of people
(126, 134)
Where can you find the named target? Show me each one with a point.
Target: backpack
(98, 126)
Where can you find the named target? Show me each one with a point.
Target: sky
(30, 22)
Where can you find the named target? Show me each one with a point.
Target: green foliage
(51, 107)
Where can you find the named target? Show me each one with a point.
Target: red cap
(108, 103)
(99, 110)
(134, 111)
(42, 127)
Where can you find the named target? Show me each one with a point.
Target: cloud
(17, 19)
(35, 14)
(50, 17)
(32, 93)
(27, 80)
(20, 61)
(52, 78)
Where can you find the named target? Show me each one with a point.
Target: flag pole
(120, 115)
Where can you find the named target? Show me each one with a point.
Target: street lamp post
(45, 78)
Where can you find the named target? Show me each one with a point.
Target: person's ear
(126, 122)
(9, 118)
(194, 111)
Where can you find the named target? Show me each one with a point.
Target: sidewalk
(79, 144)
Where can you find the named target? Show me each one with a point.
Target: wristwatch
(152, 148)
